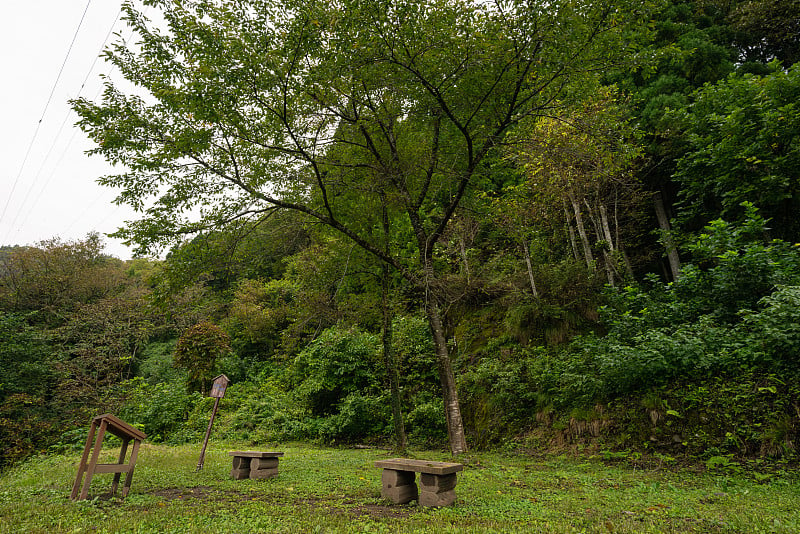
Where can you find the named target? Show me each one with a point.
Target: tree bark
(618, 244)
(463, 249)
(452, 408)
(455, 425)
(527, 253)
(663, 223)
(606, 261)
(587, 248)
(571, 231)
(610, 257)
(606, 227)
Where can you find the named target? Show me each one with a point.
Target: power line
(58, 134)
(44, 112)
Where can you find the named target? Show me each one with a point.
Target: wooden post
(217, 392)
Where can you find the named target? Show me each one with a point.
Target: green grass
(338, 490)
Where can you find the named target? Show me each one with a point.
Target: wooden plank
(120, 428)
(122, 452)
(129, 476)
(112, 468)
(90, 469)
(255, 454)
(420, 466)
(83, 464)
(94, 443)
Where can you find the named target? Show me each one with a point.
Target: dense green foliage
(451, 216)
(742, 145)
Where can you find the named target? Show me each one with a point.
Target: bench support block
(437, 481)
(254, 464)
(399, 487)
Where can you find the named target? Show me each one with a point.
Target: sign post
(217, 392)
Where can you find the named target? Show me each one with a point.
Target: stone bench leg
(398, 486)
(263, 467)
(437, 490)
(241, 467)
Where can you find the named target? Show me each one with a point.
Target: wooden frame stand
(100, 425)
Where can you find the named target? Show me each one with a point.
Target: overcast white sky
(53, 191)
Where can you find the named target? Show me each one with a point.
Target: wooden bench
(254, 464)
(437, 481)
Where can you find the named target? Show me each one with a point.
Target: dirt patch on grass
(379, 511)
(203, 493)
(352, 508)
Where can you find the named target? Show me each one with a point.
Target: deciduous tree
(581, 160)
(250, 106)
(197, 352)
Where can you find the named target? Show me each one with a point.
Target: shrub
(25, 360)
(425, 423)
(262, 412)
(155, 363)
(416, 356)
(727, 311)
(338, 363)
(161, 410)
(197, 351)
(26, 427)
(771, 334)
(358, 417)
(500, 395)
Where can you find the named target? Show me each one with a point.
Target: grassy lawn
(338, 490)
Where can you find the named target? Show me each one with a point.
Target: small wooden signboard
(217, 392)
(218, 387)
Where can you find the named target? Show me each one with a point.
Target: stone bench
(437, 481)
(254, 464)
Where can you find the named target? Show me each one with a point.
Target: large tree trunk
(663, 223)
(452, 408)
